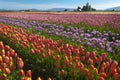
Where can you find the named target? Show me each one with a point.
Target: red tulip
(92, 67)
(101, 78)
(28, 73)
(3, 77)
(83, 58)
(103, 55)
(32, 51)
(43, 55)
(57, 66)
(81, 50)
(87, 55)
(62, 72)
(103, 75)
(92, 53)
(116, 76)
(81, 67)
(21, 72)
(86, 71)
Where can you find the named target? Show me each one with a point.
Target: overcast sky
(47, 4)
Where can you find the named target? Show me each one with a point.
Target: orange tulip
(39, 78)
(90, 61)
(49, 79)
(7, 70)
(95, 71)
(1, 59)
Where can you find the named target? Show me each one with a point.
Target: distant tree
(87, 7)
(78, 8)
(74, 10)
(113, 10)
(84, 8)
(66, 10)
(93, 9)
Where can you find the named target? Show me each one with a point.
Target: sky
(48, 4)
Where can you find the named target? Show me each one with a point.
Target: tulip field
(66, 46)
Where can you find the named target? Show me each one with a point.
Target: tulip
(103, 75)
(57, 58)
(21, 72)
(1, 45)
(102, 69)
(7, 70)
(95, 71)
(81, 50)
(81, 67)
(62, 72)
(90, 61)
(92, 67)
(92, 54)
(87, 55)
(49, 79)
(83, 58)
(3, 77)
(103, 55)
(116, 76)
(86, 71)
(28, 73)
(43, 55)
(57, 66)
(72, 72)
(32, 51)
(39, 78)
(101, 78)
(1, 59)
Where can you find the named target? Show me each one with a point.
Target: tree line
(86, 7)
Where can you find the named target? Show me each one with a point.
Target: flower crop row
(70, 62)
(88, 19)
(106, 41)
(11, 66)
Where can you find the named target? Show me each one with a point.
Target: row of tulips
(88, 19)
(63, 60)
(11, 66)
(105, 40)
